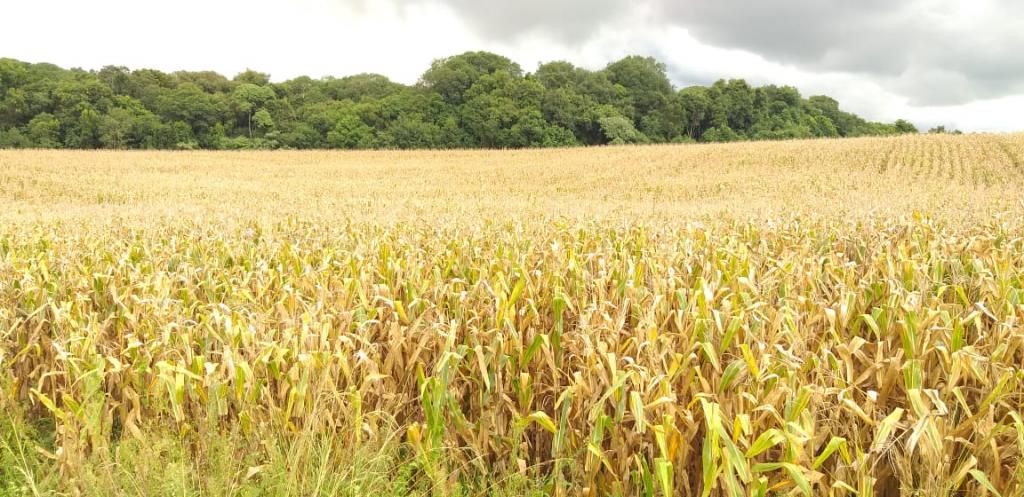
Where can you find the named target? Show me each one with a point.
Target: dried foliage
(817, 318)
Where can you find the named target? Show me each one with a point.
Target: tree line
(472, 100)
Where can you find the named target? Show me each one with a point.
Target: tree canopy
(476, 99)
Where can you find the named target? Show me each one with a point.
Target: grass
(224, 462)
(835, 317)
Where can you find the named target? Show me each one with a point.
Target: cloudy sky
(958, 63)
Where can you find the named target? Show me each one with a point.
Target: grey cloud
(786, 30)
(923, 49)
(793, 31)
(566, 21)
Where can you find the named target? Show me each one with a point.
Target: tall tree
(453, 76)
(646, 84)
(250, 99)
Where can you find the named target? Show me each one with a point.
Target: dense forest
(476, 99)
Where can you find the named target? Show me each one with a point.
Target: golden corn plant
(797, 318)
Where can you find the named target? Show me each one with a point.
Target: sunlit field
(832, 317)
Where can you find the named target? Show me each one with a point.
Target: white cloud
(287, 39)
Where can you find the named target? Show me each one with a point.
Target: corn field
(832, 318)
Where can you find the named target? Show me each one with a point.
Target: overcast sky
(959, 63)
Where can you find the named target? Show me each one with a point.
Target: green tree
(351, 132)
(190, 105)
(361, 87)
(115, 128)
(302, 136)
(262, 120)
(577, 113)
(646, 84)
(117, 78)
(13, 74)
(14, 138)
(504, 111)
(44, 131)
(721, 133)
(208, 81)
(732, 104)
(14, 107)
(559, 75)
(475, 99)
(904, 126)
(252, 77)
(453, 76)
(619, 130)
(694, 108)
(250, 99)
(409, 132)
(84, 132)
